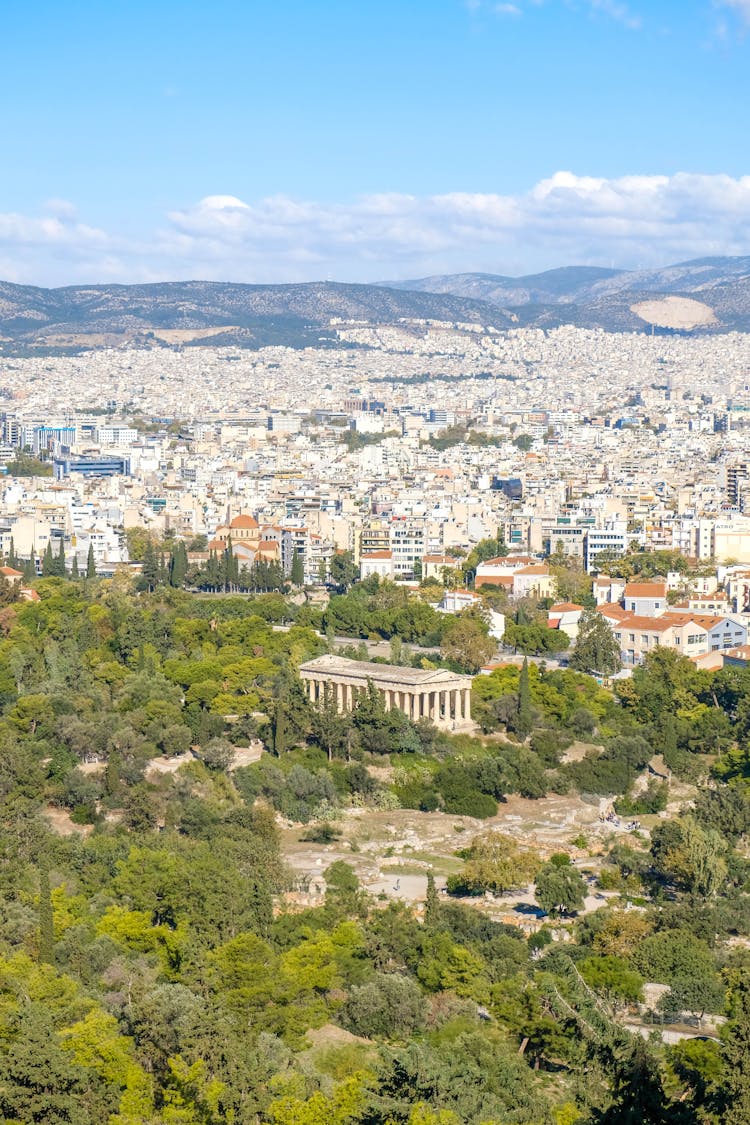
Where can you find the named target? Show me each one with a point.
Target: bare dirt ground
(392, 852)
(675, 312)
(59, 820)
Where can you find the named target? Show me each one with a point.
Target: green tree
(46, 926)
(596, 650)
(91, 562)
(525, 715)
(560, 889)
(736, 1057)
(149, 578)
(178, 565)
(297, 573)
(60, 569)
(466, 642)
(48, 561)
(432, 905)
(343, 571)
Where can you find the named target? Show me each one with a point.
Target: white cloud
(615, 9)
(564, 219)
(619, 12)
(740, 6)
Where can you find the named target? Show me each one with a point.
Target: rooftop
(383, 674)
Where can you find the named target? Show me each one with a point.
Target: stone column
(339, 697)
(388, 699)
(467, 705)
(434, 706)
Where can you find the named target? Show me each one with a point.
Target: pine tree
(297, 573)
(524, 721)
(46, 923)
(91, 563)
(596, 651)
(48, 561)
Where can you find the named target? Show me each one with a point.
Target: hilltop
(206, 312)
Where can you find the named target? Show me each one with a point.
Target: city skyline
(252, 143)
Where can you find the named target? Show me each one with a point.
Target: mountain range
(704, 295)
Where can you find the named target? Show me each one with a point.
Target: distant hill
(36, 320)
(203, 311)
(568, 284)
(603, 298)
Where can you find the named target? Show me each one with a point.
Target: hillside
(186, 312)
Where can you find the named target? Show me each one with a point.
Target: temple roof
(384, 674)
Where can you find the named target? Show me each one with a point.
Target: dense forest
(157, 965)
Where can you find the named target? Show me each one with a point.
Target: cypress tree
(432, 905)
(279, 728)
(150, 569)
(91, 563)
(112, 774)
(178, 565)
(297, 573)
(60, 569)
(12, 557)
(29, 570)
(48, 562)
(46, 923)
(74, 574)
(524, 720)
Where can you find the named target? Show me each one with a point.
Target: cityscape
(375, 563)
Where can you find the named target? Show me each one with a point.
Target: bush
(653, 799)
(550, 745)
(476, 804)
(388, 1006)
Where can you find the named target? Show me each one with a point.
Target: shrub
(476, 804)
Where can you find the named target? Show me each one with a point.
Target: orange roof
(616, 612)
(10, 572)
(646, 590)
(565, 607)
(495, 580)
(542, 568)
(642, 624)
(244, 522)
(377, 555)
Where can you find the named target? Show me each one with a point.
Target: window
(631, 638)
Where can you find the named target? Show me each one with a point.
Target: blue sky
(287, 140)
